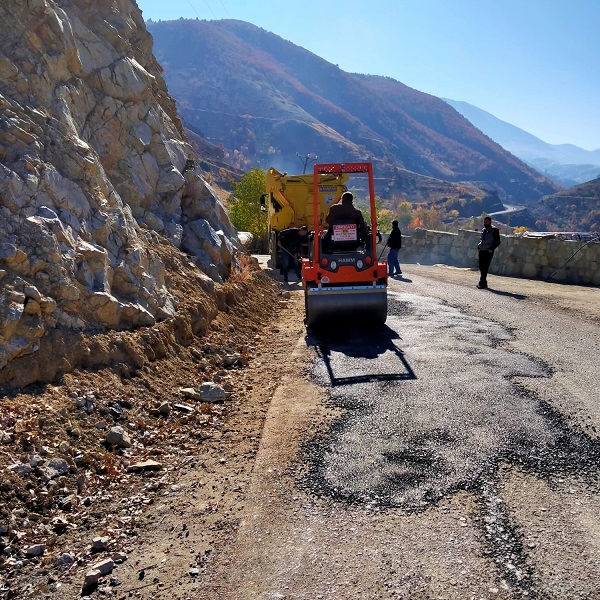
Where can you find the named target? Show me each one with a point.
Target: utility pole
(306, 159)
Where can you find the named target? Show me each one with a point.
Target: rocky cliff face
(92, 176)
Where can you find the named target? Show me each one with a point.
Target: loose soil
(182, 510)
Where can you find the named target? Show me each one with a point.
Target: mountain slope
(575, 209)
(564, 162)
(265, 99)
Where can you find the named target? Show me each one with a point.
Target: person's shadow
(356, 342)
(508, 294)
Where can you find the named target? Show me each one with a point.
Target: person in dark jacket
(290, 241)
(490, 240)
(346, 211)
(394, 243)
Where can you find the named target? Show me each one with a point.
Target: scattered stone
(100, 543)
(65, 559)
(190, 393)
(147, 465)
(104, 567)
(58, 524)
(14, 563)
(91, 578)
(117, 436)
(119, 557)
(211, 392)
(20, 468)
(194, 572)
(196, 353)
(74, 432)
(230, 360)
(115, 411)
(56, 468)
(164, 408)
(35, 550)
(184, 408)
(65, 504)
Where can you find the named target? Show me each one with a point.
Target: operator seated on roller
(339, 236)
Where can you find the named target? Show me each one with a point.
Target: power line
(207, 6)
(225, 8)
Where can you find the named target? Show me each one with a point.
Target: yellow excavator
(289, 202)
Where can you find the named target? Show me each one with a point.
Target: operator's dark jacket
(395, 240)
(345, 211)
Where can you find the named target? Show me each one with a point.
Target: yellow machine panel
(289, 201)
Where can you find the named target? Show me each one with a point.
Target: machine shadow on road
(368, 343)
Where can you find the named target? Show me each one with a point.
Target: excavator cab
(343, 278)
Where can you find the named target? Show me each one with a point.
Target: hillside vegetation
(575, 209)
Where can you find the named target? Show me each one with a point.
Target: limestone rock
(190, 393)
(35, 550)
(117, 436)
(146, 465)
(100, 543)
(211, 392)
(92, 169)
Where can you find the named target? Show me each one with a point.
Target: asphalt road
(452, 454)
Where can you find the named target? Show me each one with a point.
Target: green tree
(384, 222)
(245, 209)
(404, 212)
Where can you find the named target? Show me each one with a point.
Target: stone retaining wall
(516, 257)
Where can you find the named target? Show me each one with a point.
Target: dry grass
(247, 265)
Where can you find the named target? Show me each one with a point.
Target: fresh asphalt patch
(430, 406)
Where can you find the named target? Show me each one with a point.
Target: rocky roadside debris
(83, 460)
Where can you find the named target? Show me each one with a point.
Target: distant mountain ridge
(265, 99)
(566, 163)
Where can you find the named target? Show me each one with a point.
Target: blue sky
(533, 63)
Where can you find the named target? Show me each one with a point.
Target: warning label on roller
(344, 233)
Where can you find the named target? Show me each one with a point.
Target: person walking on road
(394, 243)
(490, 240)
(290, 241)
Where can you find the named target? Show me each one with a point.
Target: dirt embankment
(66, 481)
